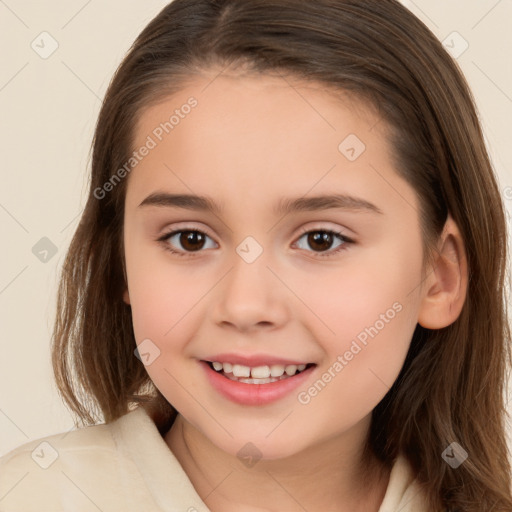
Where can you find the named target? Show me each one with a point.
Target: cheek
(368, 316)
(166, 305)
(362, 361)
(162, 295)
(347, 301)
(163, 304)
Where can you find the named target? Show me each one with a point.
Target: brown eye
(191, 240)
(185, 241)
(321, 241)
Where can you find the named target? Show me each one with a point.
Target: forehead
(254, 135)
(253, 101)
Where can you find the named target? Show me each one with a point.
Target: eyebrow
(283, 207)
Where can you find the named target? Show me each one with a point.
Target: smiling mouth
(258, 375)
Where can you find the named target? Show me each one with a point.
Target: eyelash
(346, 241)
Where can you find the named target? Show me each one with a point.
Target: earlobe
(446, 284)
(126, 297)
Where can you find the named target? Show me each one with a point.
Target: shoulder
(74, 439)
(404, 492)
(57, 471)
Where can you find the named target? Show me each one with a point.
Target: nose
(250, 296)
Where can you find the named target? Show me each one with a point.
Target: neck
(327, 476)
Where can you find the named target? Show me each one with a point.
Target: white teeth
(258, 372)
(291, 369)
(254, 381)
(276, 370)
(241, 371)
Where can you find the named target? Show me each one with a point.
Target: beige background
(48, 110)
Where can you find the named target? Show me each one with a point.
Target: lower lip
(254, 394)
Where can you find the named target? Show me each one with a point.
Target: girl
(286, 291)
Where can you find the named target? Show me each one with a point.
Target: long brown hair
(452, 384)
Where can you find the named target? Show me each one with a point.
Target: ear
(126, 296)
(444, 289)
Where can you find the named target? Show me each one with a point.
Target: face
(333, 283)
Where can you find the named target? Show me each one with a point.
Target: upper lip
(253, 360)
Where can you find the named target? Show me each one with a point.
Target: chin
(253, 448)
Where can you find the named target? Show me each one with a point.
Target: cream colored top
(126, 466)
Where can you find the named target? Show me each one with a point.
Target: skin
(250, 141)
